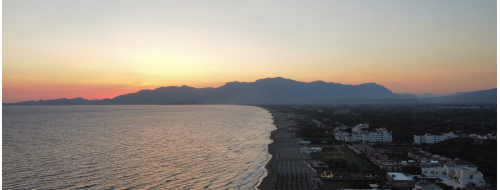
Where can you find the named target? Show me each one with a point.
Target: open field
(354, 158)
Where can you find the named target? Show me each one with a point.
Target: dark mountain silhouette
(430, 95)
(270, 91)
(460, 93)
(63, 101)
(482, 96)
(263, 91)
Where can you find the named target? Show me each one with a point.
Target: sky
(101, 49)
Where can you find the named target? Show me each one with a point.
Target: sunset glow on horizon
(96, 50)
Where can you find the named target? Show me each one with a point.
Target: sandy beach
(268, 181)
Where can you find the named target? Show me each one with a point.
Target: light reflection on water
(134, 147)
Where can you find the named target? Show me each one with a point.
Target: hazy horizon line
(278, 77)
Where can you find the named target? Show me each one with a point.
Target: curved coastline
(264, 167)
(268, 181)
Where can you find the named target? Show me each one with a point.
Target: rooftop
(398, 176)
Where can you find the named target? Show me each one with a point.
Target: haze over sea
(134, 147)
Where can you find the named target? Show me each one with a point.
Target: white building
(431, 139)
(427, 138)
(379, 135)
(487, 136)
(470, 175)
(465, 175)
(450, 135)
(458, 175)
(357, 128)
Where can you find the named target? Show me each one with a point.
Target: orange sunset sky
(100, 49)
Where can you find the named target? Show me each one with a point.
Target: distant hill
(63, 101)
(264, 91)
(424, 95)
(460, 93)
(274, 91)
(428, 95)
(482, 96)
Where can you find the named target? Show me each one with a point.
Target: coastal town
(321, 148)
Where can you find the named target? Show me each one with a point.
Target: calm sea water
(134, 147)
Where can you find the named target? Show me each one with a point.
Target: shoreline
(267, 183)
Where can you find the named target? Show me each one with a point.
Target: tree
(415, 178)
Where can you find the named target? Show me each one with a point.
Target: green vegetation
(316, 135)
(403, 120)
(356, 161)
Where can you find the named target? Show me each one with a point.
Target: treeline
(317, 135)
(405, 120)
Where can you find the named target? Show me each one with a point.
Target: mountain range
(482, 96)
(430, 95)
(273, 91)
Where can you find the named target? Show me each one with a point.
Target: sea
(134, 146)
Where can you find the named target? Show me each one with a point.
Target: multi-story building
(469, 175)
(464, 175)
(379, 135)
(431, 139)
(460, 172)
(427, 138)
